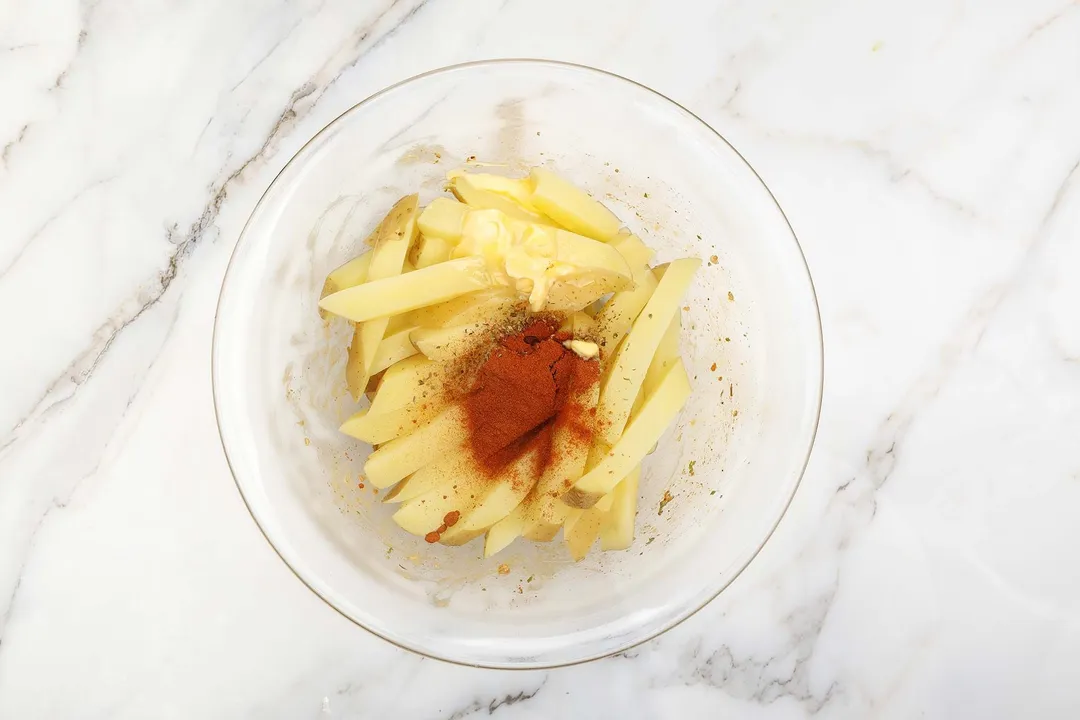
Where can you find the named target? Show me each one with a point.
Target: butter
(518, 254)
(583, 348)
(527, 256)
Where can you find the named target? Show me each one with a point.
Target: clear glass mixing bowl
(751, 340)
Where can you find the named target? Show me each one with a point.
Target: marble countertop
(928, 156)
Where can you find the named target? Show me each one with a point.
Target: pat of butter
(518, 254)
(583, 348)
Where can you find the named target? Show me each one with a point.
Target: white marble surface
(927, 155)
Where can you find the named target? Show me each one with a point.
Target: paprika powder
(522, 391)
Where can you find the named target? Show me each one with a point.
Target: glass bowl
(712, 492)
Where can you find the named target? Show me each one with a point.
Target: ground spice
(521, 393)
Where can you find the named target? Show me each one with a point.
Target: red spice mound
(522, 391)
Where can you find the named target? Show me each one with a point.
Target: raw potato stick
(627, 370)
(420, 288)
(657, 413)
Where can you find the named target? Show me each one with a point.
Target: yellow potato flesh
(480, 199)
(571, 207)
(409, 382)
(573, 295)
(471, 308)
(591, 258)
(505, 531)
(542, 532)
(570, 518)
(443, 219)
(444, 471)
(398, 322)
(643, 431)
(403, 456)
(471, 496)
(517, 189)
(581, 536)
(628, 367)
(504, 493)
(349, 275)
(446, 344)
(379, 428)
(544, 507)
(633, 249)
(618, 530)
(356, 376)
(667, 352)
(417, 289)
(578, 323)
(431, 250)
(618, 314)
(393, 348)
(390, 245)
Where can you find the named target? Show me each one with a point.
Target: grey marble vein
(5, 154)
(492, 705)
(64, 207)
(83, 365)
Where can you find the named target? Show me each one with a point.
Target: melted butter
(518, 254)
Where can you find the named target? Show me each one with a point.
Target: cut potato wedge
(349, 275)
(398, 322)
(481, 199)
(420, 288)
(431, 251)
(445, 344)
(571, 207)
(356, 375)
(572, 515)
(617, 532)
(543, 506)
(542, 532)
(628, 367)
(479, 502)
(633, 249)
(667, 353)
(578, 324)
(390, 245)
(576, 294)
(505, 493)
(393, 348)
(618, 314)
(505, 531)
(379, 428)
(517, 189)
(445, 470)
(472, 308)
(400, 458)
(591, 258)
(582, 535)
(443, 219)
(643, 431)
(413, 381)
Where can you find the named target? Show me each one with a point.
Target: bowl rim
(810, 441)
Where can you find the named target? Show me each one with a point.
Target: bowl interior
(751, 341)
